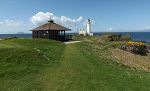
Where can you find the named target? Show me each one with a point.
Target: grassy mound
(21, 61)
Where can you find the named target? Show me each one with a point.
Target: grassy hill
(46, 65)
(21, 63)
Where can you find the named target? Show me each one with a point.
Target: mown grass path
(73, 73)
(80, 72)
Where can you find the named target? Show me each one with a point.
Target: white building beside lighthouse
(88, 30)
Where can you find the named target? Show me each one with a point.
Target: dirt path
(70, 42)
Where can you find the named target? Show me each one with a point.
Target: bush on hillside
(15, 37)
(78, 37)
(126, 37)
(139, 48)
(148, 47)
(115, 37)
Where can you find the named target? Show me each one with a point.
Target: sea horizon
(137, 36)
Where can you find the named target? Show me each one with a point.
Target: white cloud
(1, 23)
(41, 18)
(110, 29)
(147, 27)
(10, 24)
(13, 26)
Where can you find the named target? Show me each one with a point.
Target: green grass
(111, 75)
(73, 67)
(20, 63)
(83, 69)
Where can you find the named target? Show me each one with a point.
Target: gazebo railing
(65, 38)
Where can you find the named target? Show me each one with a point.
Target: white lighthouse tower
(86, 31)
(89, 24)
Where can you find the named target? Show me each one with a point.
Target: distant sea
(142, 36)
(139, 36)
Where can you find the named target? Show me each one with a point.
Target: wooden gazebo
(51, 30)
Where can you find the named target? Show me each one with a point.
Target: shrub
(148, 47)
(126, 37)
(115, 37)
(139, 48)
(11, 38)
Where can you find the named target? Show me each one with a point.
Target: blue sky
(108, 15)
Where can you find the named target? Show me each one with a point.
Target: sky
(106, 15)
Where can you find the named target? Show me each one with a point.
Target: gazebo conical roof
(51, 26)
